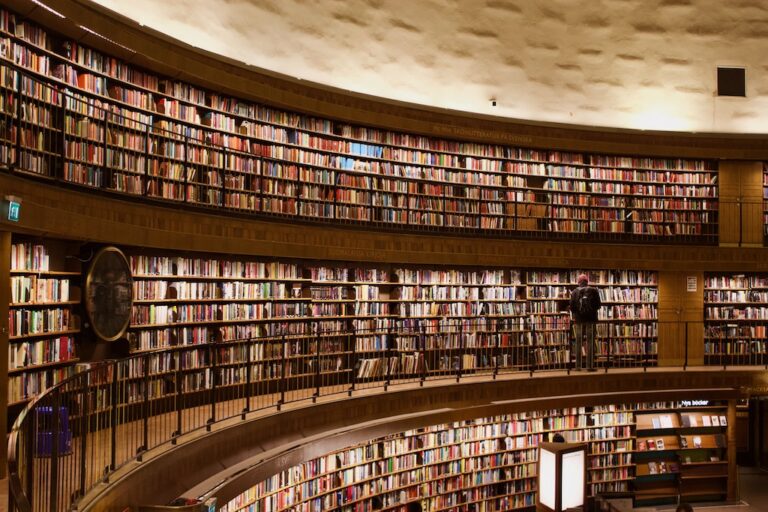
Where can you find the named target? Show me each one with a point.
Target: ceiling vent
(731, 82)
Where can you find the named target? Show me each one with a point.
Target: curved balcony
(142, 430)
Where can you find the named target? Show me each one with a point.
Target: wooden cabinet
(681, 454)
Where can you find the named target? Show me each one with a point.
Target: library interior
(280, 256)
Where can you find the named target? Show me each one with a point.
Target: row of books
(31, 289)
(703, 420)
(738, 296)
(24, 321)
(735, 281)
(29, 256)
(160, 314)
(754, 349)
(23, 386)
(146, 266)
(662, 467)
(736, 313)
(156, 289)
(41, 352)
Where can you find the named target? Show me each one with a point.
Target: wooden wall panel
(729, 223)
(730, 194)
(681, 316)
(752, 203)
(741, 204)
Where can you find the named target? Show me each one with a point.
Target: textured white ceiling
(648, 64)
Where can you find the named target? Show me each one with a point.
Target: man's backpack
(585, 304)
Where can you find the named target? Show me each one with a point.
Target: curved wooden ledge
(237, 456)
(52, 211)
(150, 49)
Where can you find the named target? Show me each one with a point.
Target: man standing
(585, 303)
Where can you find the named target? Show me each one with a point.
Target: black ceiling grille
(731, 82)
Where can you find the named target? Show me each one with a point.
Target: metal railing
(60, 132)
(78, 433)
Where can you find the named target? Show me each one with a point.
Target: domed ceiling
(646, 64)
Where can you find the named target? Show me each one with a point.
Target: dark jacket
(592, 296)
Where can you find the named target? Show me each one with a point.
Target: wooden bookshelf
(627, 330)
(491, 462)
(352, 324)
(681, 452)
(487, 462)
(43, 316)
(375, 319)
(112, 126)
(334, 323)
(704, 454)
(736, 318)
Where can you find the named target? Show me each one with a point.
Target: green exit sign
(14, 211)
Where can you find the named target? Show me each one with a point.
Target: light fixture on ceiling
(49, 9)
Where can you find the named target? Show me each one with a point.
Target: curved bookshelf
(308, 324)
(111, 127)
(491, 463)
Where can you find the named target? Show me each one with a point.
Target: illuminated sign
(11, 208)
(14, 211)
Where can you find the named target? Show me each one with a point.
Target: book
(723, 421)
(686, 419)
(687, 459)
(660, 444)
(641, 446)
(655, 422)
(662, 467)
(705, 421)
(652, 469)
(714, 458)
(696, 442)
(651, 444)
(683, 442)
(720, 441)
(666, 421)
(715, 421)
(673, 467)
(694, 421)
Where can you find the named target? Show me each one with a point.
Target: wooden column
(741, 203)
(681, 316)
(733, 487)
(5, 299)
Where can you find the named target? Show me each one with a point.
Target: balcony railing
(78, 433)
